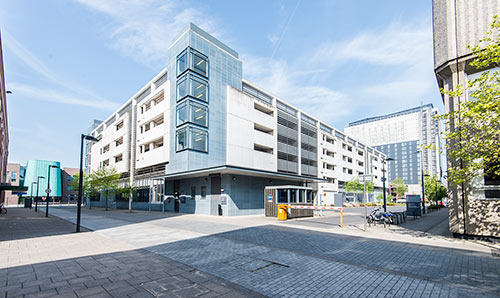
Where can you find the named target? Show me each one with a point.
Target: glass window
(203, 192)
(309, 197)
(182, 63)
(302, 195)
(293, 196)
(198, 140)
(199, 90)
(182, 89)
(200, 64)
(14, 176)
(182, 114)
(181, 140)
(282, 196)
(199, 115)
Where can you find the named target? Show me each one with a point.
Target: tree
(129, 191)
(354, 186)
(400, 187)
(475, 125)
(433, 188)
(105, 180)
(87, 189)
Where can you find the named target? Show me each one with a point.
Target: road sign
(48, 190)
(270, 198)
(383, 179)
(44, 198)
(365, 178)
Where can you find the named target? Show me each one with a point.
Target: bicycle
(3, 210)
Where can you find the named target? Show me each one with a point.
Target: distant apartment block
(14, 177)
(399, 136)
(210, 141)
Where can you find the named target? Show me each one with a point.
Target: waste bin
(282, 212)
(413, 205)
(27, 203)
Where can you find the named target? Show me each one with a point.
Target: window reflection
(198, 139)
(181, 140)
(200, 64)
(182, 114)
(199, 90)
(182, 63)
(199, 115)
(182, 89)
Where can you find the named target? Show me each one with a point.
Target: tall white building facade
(210, 141)
(474, 206)
(400, 135)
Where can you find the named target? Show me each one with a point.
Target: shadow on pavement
(271, 260)
(23, 223)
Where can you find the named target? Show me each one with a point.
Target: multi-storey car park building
(400, 135)
(211, 141)
(474, 206)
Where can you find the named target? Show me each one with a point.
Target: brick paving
(44, 258)
(278, 260)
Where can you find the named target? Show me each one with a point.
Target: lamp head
(90, 138)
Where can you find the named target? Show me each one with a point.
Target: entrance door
(215, 186)
(176, 205)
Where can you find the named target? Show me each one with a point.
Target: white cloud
(57, 96)
(144, 29)
(398, 44)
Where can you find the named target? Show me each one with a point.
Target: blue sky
(68, 62)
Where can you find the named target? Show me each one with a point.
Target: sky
(69, 62)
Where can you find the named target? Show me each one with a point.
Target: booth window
(282, 196)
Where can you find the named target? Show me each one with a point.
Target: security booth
(413, 205)
(289, 195)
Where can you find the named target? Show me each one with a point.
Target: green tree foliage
(87, 189)
(400, 187)
(473, 141)
(128, 191)
(356, 186)
(105, 180)
(380, 198)
(434, 191)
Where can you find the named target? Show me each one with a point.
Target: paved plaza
(254, 255)
(43, 257)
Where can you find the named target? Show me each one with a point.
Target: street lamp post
(80, 180)
(34, 182)
(383, 180)
(37, 189)
(422, 171)
(48, 190)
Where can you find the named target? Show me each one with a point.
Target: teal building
(40, 168)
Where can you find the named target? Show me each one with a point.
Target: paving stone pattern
(287, 262)
(128, 273)
(137, 273)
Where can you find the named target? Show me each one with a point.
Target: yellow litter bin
(282, 213)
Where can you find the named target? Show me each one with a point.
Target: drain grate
(253, 264)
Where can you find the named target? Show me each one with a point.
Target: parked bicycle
(3, 210)
(378, 216)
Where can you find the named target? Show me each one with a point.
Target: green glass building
(40, 168)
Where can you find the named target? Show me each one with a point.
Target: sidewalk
(43, 257)
(283, 259)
